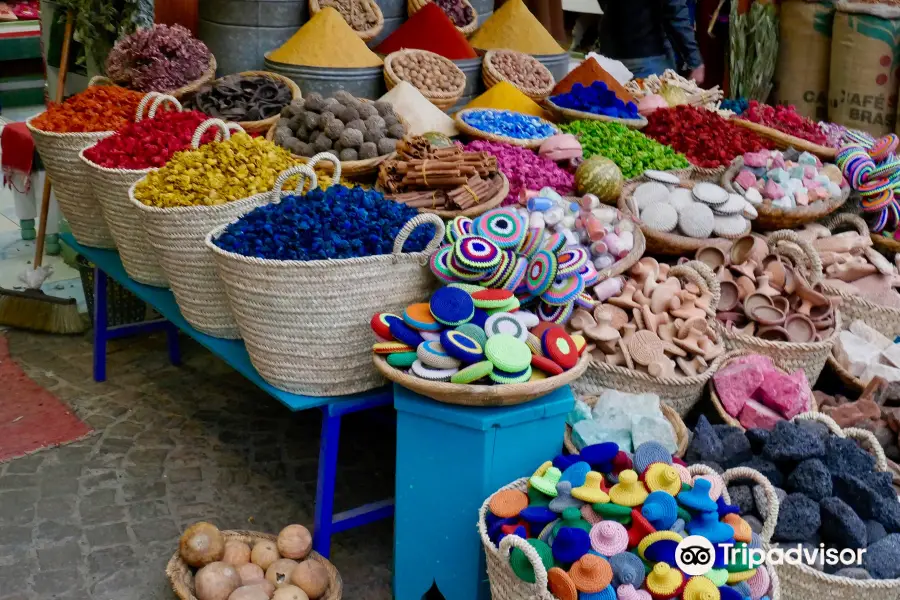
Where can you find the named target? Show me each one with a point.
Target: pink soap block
(811, 184)
(806, 395)
(801, 198)
(778, 161)
(773, 190)
(809, 171)
(735, 384)
(745, 179)
(756, 159)
(755, 415)
(781, 393)
(763, 362)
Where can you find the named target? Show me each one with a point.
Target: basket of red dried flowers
(786, 128)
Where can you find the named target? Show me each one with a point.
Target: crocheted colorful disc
(591, 573)
(491, 298)
(546, 365)
(404, 333)
(876, 202)
(502, 226)
(507, 353)
(884, 147)
(381, 326)
(561, 585)
(457, 228)
(499, 376)
(432, 354)
(496, 277)
(532, 242)
(663, 477)
(517, 275)
(473, 372)
(391, 348)
(452, 306)
(440, 266)
(572, 260)
(542, 271)
(700, 588)
(402, 360)
(555, 314)
(462, 272)
(418, 316)
(609, 538)
(521, 565)
(554, 242)
(648, 453)
(425, 372)
(589, 273)
(584, 300)
(508, 503)
(559, 347)
(476, 253)
(875, 186)
(461, 347)
(468, 288)
(510, 306)
(505, 323)
(475, 332)
(563, 290)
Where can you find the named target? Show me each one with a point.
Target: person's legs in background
(27, 204)
(649, 65)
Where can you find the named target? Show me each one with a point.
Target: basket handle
(769, 520)
(848, 219)
(142, 106)
(101, 80)
(411, 226)
(305, 171)
(786, 235)
(159, 101)
(701, 275)
(511, 541)
(330, 157)
(224, 131)
(866, 439)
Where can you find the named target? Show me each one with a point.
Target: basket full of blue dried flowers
(304, 274)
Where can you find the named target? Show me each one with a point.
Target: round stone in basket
(438, 78)
(522, 70)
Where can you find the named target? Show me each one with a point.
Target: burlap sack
(804, 57)
(862, 91)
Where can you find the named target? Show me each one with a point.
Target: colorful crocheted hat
(537, 517)
(628, 592)
(662, 551)
(561, 585)
(614, 512)
(628, 569)
(461, 347)
(607, 593)
(590, 515)
(726, 509)
(571, 517)
(609, 538)
(621, 461)
(729, 593)
(716, 485)
(592, 490)
(629, 491)
(739, 576)
(570, 544)
(508, 503)
(740, 562)
(664, 582)
(742, 531)
(683, 472)
(512, 529)
(546, 482)
(591, 573)
(678, 526)
(520, 564)
(537, 497)
(707, 524)
(741, 587)
(717, 576)
(655, 537)
(648, 453)
(639, 529)
(700, 588)
(564, 498)
(662, 477)
(697, 498)
(759, 584)
(576, 473)
(452, 306)
(660, 509)
(600, 456)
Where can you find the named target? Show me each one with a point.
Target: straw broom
(33, 309)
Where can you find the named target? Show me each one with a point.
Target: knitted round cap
(654, 537)
(600, 455)
(683, 473)
(707, 524)
(759, 583)
(628, 569)
(614, 512)
(739, 576)
(520, 564)
(729, 593)
(717, 576)
(570, 544)
(648, 453)
(628, 592)
(564, 461)
(716, 485)
(755, 541)
(418, 316)
(607, 593)
(629, 491)
(662, 551)
(537, 517)
(697, 498)
(546, 482)
(742, 531)
(621, 461)
(664, 581)
(609, 538)
(678, 526)
(591, 573)
(742, 587)
(590, 515)
(571, 517)
(700, 588)
(564, 498)
(639, 529)
(452, 306)
(537, 497)
(508, 503)
(591, 491)
(543, 468)
(576, 474)
(561, 585)
(727, 509)
(660, 509)
(662, 477)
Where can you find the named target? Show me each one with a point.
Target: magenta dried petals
(525, 170)
(162, 58)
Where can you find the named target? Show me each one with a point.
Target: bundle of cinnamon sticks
(423, 176)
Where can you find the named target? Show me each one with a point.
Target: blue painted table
(233, 352)
(449, 459)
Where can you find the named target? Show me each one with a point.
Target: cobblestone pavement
(99, 518)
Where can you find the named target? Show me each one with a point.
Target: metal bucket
(484, 8)
(557, 63)
(474, 84)
(394, 12)
(366, 82)
(240, 32)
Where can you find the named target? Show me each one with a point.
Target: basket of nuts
(363, 16)
(439, 80)
(460, 12)
(522, 70)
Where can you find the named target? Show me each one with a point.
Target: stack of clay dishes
(773, 217)
(772, 301)
(667, 208)
(656, 335)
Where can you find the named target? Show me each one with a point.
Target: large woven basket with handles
(506, 585)
(306, 323)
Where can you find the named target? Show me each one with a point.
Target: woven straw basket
(263, 125)
(681, 393)
(790, 356)
(682, 434)
(111, 187)
(569, 114)
(717, 403)
(414, 6)
(772, 217)
(803, 581)
(478, 134)
(443, 100)
(365, 35)
(181, 575)
(306, 323)
(784, 141)
(506, 585)
(176, 236)
(491, 75)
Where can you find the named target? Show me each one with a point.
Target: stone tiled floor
(99, 518)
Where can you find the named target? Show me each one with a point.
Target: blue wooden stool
(449, 459)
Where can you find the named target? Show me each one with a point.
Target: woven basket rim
(392, 79)
(196, 209)
(778, 346)
(575, 115)
(843, 374)
(366, 34)
(785, 139)
(96, 135)
(491, 137)
(676, 381)
(533, 92)
(92, 165)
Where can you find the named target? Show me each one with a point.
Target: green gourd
(600, 176)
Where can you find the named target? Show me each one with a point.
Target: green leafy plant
(99, 23)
